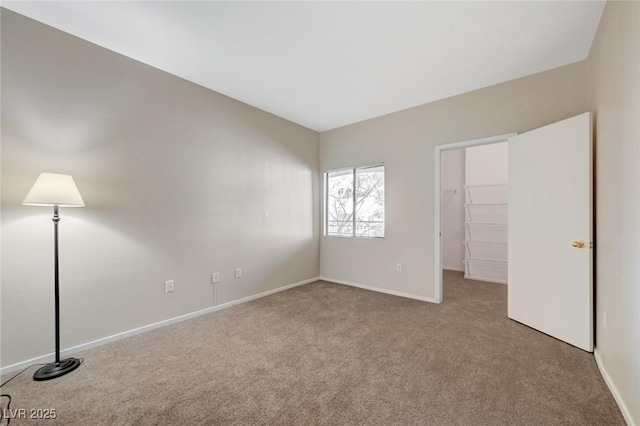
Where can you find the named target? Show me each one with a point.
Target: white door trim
(438, 197)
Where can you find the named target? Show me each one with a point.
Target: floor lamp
(52, 189)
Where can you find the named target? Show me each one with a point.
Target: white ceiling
(327, 64)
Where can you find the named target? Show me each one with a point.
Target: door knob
(578, 244)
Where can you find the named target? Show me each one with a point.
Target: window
(354, 202)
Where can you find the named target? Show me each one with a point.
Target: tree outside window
(354, 203)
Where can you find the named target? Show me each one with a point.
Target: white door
(550, 230)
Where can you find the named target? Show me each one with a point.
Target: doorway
(471, 209)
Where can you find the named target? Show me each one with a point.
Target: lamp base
(56, 369)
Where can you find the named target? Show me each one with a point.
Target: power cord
(6, 395)
(19, 373)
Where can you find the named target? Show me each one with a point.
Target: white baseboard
(453, 268)
(84, 346)
(487, 280)
(380, 290)
(612, 387)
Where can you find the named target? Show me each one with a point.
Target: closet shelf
(486, 232)
(486, 213)
(485, 223)
(487, 186)
(487, 194)
(486, 250)
(496, 263)
(487, 242)
(486, 204)
(486, 270)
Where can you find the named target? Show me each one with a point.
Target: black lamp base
(56, 369)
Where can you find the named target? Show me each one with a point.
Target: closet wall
(453, 233)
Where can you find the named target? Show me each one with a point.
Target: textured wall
(613, 87)
(179, 182)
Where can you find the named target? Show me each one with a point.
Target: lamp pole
(56, 273)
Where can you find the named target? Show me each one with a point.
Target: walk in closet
(475, 212)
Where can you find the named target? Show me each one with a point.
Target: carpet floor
(329, 354)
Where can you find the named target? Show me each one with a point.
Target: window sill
(345, 237)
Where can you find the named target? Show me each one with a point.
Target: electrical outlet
(398, 267)
(238, 272)
(215, 277)
(604, 319)
(169, 286)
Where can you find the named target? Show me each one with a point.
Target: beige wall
(613, 87)
(179, 182)
(405, 142)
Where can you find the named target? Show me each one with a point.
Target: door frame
(438, 198)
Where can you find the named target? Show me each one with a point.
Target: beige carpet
(329, 354)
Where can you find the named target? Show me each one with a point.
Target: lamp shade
(53, 189)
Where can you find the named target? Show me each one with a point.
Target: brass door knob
(578, 244)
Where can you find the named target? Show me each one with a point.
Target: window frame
(353, 183)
